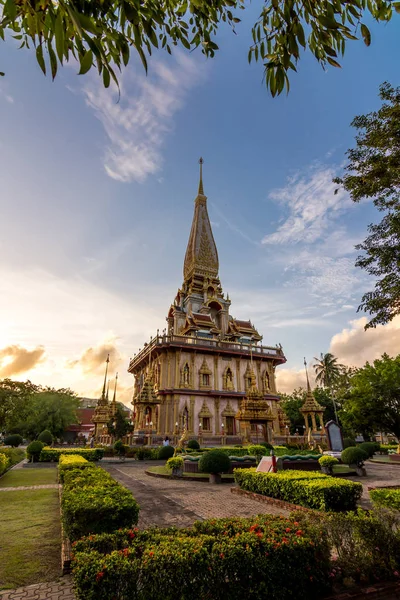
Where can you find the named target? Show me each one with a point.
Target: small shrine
(311, 410)
(104, 411)
(254, 415)
(147, 404)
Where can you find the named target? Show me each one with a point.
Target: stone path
(166, 502)
(378, 475)
(46, 486)
(62, 589)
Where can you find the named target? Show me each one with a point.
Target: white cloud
(354, 346)
(288, 380)
(138, 124)
(312, 205)
(4, 93)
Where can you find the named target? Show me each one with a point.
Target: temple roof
(237, 327)
(310, 404)
(201, 254)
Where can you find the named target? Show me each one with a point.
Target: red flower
(151, 553)
(222, 555)
(99, 576)
(288, 530)
(299, 532)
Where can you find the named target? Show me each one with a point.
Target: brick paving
(62, 589)
(21, 488)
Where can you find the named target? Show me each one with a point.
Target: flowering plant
(176, 462)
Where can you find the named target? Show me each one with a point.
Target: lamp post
(200, 426)
(147, 429)
(176, 432)
(151, 432)
(287, 433)
(223, 433)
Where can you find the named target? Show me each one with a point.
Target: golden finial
(308, 383)
(103, 394)
(201, 190)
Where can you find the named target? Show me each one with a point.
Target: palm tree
(327, 369)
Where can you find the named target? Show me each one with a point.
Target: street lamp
(222, 431)
(287, 433)
(200, 426)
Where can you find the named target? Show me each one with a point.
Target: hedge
(53, 454)
(304, 488)
(4, 463)
(390, 498)
(15, 455)
(68, 463)
(256, 558)
(92, 502)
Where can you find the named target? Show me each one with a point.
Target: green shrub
(119, 448)
(15, 455)
(33, 450)
(327, 461)
(91, 503)
(384, 448)
(176, 462)
(214, 461)
(193, 445)
(369, 447)
(4, 463)
(69, 463)
(145, 453)
(53, 454)
(304, 488)
(284, 451)
(256, 558)
(268, 446)
(165, 452)
(257, 450)
(390, 498)
(46, 437)
(354, 456)
(14, 440)
(348, 442)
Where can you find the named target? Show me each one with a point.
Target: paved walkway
(378, 475)
(45, 486)
(62, 589)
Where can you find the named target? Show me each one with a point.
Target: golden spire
(308, 383)
(201, 190)
(108, 387)
(103, 393)
(115, 389)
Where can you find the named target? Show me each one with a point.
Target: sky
(96, 204)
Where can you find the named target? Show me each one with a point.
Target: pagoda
(207, 372)
(310, 410)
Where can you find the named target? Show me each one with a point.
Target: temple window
(206, 423)
(230, 426)
(228, 379)
(205, 379)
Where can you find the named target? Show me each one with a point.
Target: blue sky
(97, 200)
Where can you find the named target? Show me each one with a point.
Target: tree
(372, 403)
(119, 425)
(14, 398)
(327, 369)
(101, 33)
(292, 403)
(373, 172)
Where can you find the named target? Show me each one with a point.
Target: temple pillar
(313, 421)
(216, 380)
(238, 378)
(217, 421)
(191, 415)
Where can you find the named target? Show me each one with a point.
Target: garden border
(65, 543)
(377, 591)
(205, 479)
(269, 500)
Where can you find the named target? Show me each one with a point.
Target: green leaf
(328, 23)
(106, 77)
(59, 35)
(40, 59)
(86, 62)
(1, 73)
(366, 34)
(396, 6)
(333, 62)
(53, 60)
(10, 9)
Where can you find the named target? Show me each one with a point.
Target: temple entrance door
(230, 426)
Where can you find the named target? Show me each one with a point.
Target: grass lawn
(18, 477)
(165, 471)
(342, 469)
(30, 537)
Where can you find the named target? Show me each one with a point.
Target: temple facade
(207, 372)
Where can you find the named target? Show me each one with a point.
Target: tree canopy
(372, 402)
(327, 369)
(292, 403)
(373, 171)
(119, 426)
(29, 409)
(101, 33)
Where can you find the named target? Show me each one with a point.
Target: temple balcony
(240, 349)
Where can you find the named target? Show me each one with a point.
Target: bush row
(386, 497)
(69, 463)
(304, 488)
(53, 454)
(93, 502)
(4, 463)
(257, 558)
(14, 455)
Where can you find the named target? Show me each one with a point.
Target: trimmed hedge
(92, 502)
(370, 448)
(15, 455)
(53, 454)
(34, 450)
(4, 463)
(327, 461)
(386, 497)
(193, 445)
(165, 452)
(46, 437)
(214, 461)
(354, 456)
(256, 558)
(304, 488)
(69, 463)
(13, 440)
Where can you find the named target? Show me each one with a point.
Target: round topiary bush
(348, 442)
(33, 450)
(354, 456)
(119, 448)
(46, 437)
(257, 450)
(327, 461)
(368, 447)
(13, 440)
(165, 452)
(193, 445)
(214, 461)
